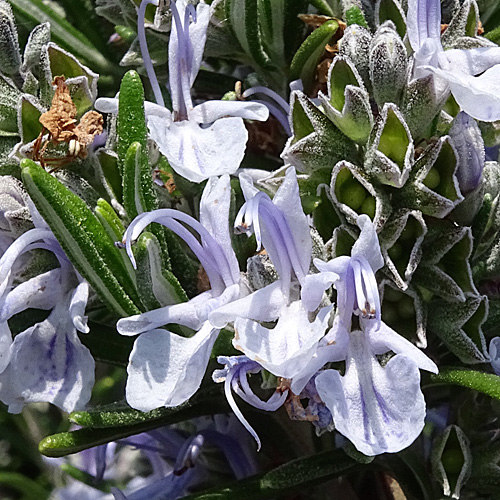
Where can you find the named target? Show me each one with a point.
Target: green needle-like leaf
(487, 383)
(83, 238)
(291, 476)
(307, 57)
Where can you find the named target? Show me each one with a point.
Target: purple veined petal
(107, 105)
(214, 216)
(77, 306)
(470, 61)
(210, 111)
(40, 292)
(478, 96)
(166, 369)
(380, 410)
(467, 140)
(264, 304)
(384, 339)
(191, 314)
(423, 21)
(367, 244)
(287, 200)
(199, 153)
(148, 64)
(287, 348)
(494, 352)
(49, 364)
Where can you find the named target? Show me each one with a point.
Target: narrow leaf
(83, 238)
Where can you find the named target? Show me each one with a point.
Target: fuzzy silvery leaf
(388, 65)
(316, 142)
(405, 312)
(401, 240)
(15, 217)
(55, 61)
(420, 106)
(459, 326)
(463, 24)
(348, 103)
(353, 193)
(9, 100)
(445, 268)
(470, 43)
(260, 271)
(28, 118)
(464, 213)
(389, 153)
(433, 186)
(341, 242)
(451, 451)
(10, 57)
(30, 84)
(355, 45)
(36, 40)
(391, 10)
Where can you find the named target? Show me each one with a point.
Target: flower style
(379, 408)
(201, 141)
(46, 362)
(166, 369)
(478, 96)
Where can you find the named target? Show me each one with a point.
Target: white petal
(77, 306)
(314, 287)
(191, 314)
(367, 244)
(5, 343)
(199, 153)
(470, 61)
(214, 215)
(210, 111)
(287, 348)
(107, 105)
(264, 304)
(166, 369)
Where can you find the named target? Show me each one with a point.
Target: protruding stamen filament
(148, 64)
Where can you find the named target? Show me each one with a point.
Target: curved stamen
(367, 296)
(269, 93)
(209, 252)
(280, 112)
(148, 64)
(184, 63)
(261, 210)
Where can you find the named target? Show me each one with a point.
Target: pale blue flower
(166, 369)
(198, 141)
(379, 408)
(46, 362)
(456, 69)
